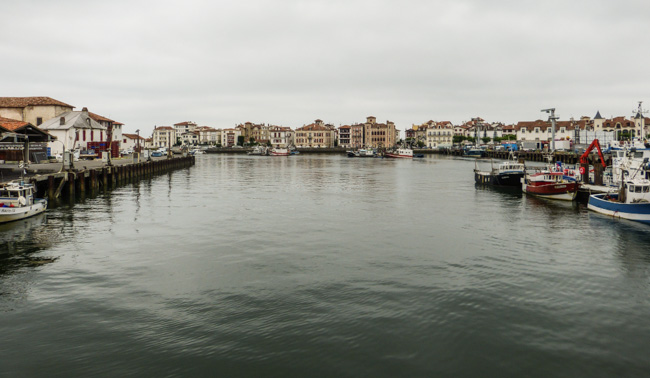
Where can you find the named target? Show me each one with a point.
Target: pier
(77, 182)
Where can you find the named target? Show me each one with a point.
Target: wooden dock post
(71, 183)
(81, 177)
(50, 186)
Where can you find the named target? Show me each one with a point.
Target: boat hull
(557, 191)
(505, 179)
(10, 214)
(280, 152)
(639, 212)
(398, 156)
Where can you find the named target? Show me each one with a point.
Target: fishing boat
(363, 152)
(277, 151)
(550, 184)
(507, 173)
(259, 151)
(17, 202)
(474, 152)
(632, 201)
(404, 153)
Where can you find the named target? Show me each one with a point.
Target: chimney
(62, 121)
(85, 109)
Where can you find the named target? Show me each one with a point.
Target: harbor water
(323, 266)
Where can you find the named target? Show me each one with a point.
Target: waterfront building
(315, 135)
(33, 110)
(508, 130)
(257, 132)
(12, 147)
(148, 143)
(344, 136)
(357, 136)
(114, 127)
(379, 135)
(190, 138)
(75, 130)
(542, 130)
(163, 136)
(182, 128)
(209, 135)
(130, 141)
(229, 137)
(439, 135)
(622, 127)
(281, 136)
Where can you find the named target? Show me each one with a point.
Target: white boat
(363, 152)
(405, 153)
(17, 202)
(259, 151)
(280, 151)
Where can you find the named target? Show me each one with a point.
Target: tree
(486, 139)
(421, 144)
(240, 140)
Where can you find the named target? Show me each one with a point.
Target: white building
(130, 141)
(439, 135)
(229, 137)
(74, 130)
(280, 136)
(209, 135)
(163, 136)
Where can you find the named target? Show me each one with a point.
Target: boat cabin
(16, 195)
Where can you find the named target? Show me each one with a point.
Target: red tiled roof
(164, 128)
(186, 123)
(12, 124)
(21, 102)
(313, 127)
(99, 118)
(132, 136)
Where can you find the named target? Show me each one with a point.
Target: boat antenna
(552, 118)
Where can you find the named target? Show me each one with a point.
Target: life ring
(22, 201)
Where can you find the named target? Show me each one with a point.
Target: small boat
(17, 202)
(280, 151)
(550, 184)
(363, 152)
(259, 151)
(405, 153)
(474, 152)
(631, 202)
(507, 173)
(156, 154)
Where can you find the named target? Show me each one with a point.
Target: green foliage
(240, 140)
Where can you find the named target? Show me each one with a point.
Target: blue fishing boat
(631, 202)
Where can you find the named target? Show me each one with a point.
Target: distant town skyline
(288, 63)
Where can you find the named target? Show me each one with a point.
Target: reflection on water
(267, 266)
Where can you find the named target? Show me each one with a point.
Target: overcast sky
(285, 62)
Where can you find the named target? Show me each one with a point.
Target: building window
(39, 120)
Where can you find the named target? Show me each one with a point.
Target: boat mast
(552, 118)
